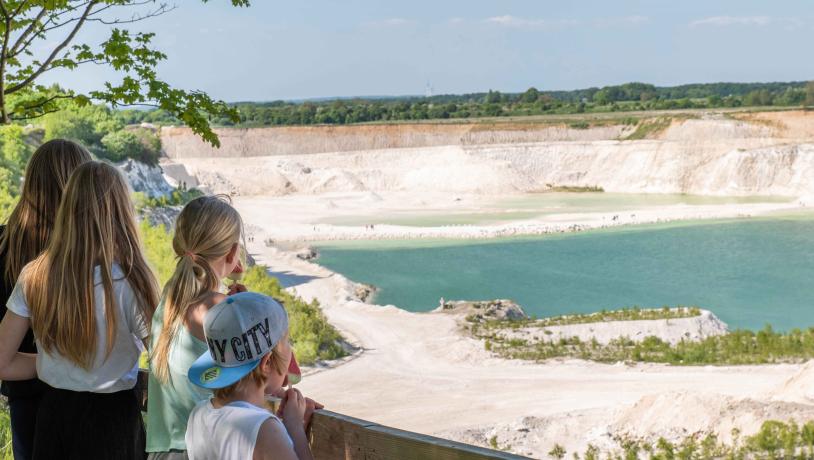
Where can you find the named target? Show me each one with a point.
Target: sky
(327, 48)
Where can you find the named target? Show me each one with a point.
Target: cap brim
(205, 373)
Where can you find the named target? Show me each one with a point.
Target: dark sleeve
(24, 388)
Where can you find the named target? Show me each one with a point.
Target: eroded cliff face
(298, 140)
(753, 154)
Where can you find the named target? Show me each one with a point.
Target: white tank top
(228, 432)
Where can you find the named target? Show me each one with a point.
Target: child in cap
(207, 244)
(248, 357)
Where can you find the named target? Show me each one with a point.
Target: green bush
(87, 125)
(6, 452)
(775, 440)
(15, 151)
(139, 144)
(8, 192)
(740, 347)
(178, 197)
(157, 243)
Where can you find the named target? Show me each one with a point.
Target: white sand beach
(299, 218)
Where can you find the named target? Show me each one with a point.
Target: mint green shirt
(169, 405)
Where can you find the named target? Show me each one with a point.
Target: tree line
(626, 97)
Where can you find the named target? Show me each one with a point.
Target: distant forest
(619, 98)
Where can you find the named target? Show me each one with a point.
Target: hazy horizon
(545, 90)
(273, 51)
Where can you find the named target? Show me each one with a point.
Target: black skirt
(82, 425)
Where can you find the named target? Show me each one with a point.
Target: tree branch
(153, 14)
(26, 32)
(54, 53)
(139, 104)
(7, 22)
(47, 101)
(19, 8)
(35, 116)
(44, 27)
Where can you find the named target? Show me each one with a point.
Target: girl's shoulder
(210, 299)
(196, 313)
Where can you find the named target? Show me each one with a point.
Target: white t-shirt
(226, 432)
(109, 373)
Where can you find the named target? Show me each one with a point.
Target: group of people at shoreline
(80, 304)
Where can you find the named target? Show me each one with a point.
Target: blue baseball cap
(240, 331)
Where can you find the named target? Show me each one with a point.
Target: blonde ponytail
(207, 229)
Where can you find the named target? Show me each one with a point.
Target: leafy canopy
(39, 36)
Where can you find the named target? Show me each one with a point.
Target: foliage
(15, 153)
(624, 98)
(41, 36)
(739, 347)
(139, 144)
(157, 242)
(9, 181)
(775, 440)
(634, 313)
(179, 197)
(557, 452)
(809, 98)
(650, 128)
(493, 442)
(104, 132)
(6, 452)
(86, 125)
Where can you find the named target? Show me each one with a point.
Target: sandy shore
(300, 218)
(419, 372)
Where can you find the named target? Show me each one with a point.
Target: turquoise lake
(748, 272)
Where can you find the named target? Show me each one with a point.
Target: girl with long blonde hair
(89, 298)
(23, 238)
(207, 243)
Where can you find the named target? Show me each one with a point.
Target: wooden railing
(336, 436)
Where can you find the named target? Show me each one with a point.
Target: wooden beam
(337, 436)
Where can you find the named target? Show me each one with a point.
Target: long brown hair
(95, 225)
(32, 220)
(207, 229)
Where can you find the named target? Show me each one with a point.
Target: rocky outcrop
(163, 216)
(145, 178)
(481, 311)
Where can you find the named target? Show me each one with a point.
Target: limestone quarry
(768, 153)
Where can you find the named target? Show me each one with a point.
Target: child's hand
(310, 407)
(236, 288)
(293, 407)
